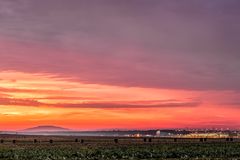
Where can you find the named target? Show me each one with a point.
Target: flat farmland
(74, 148)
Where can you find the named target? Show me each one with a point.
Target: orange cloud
(36, 99)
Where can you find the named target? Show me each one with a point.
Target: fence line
(115, 140)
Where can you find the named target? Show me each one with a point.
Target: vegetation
(78, 151)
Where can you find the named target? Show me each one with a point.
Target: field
(94, 148)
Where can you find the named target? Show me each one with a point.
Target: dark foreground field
(92, 148)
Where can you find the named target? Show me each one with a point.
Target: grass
(77, 151)
(106, 148)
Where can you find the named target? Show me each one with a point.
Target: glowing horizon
(29, 100)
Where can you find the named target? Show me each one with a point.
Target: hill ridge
(45, 128)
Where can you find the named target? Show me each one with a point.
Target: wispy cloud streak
(99, 105)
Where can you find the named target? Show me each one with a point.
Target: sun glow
(33, 99)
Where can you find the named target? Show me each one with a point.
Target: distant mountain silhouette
(45, 129)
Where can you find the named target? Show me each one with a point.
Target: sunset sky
(119, 64)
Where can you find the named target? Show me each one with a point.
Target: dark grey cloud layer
(187, 44)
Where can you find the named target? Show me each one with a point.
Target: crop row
(131, 151)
